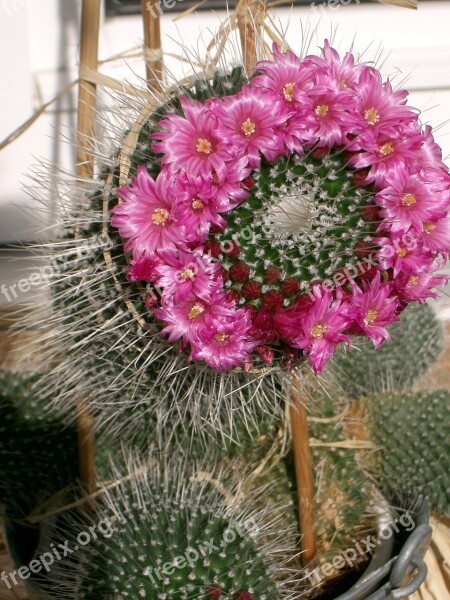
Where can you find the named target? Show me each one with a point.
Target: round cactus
(412, 433)
(170, 533)
(417, 341)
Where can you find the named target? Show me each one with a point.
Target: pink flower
(193, 318)
(148, 216)
(436, 236)
(231, 190)
(286, 76)
(430, 154)
(322, 329)
(144, 268)
(197, 208)
(190, 143)
(329, 67)
(383, 154)
(246, 123)
(403, 253)
(408, 201)
(419, 287)
(379, 108)
(327, 117)
(188, 275)
(226, 343)
(372, 310)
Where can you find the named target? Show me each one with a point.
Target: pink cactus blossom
(408, 200)
(379, 108)
(144, 268)
(147, 218)
(372, 309)
(419, 287)
(191, 143)
(323, 329)
(192, 318)
(383, 154)
(287, 76)
(436, 236)
(188, 275)
(197, 208)
(245, 123)
(330, 69)
(403, 253)
(226, 343)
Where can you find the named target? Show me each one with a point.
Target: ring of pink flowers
(289, 106)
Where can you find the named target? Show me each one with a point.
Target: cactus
(38, 455)
(135, 383)
(411, 431)
(417, 341)
(171, 533)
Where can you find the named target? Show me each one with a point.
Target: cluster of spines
(175, 535)
(268, 265)
(410, 430)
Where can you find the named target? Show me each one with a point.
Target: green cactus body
(172, 536)
(138, 386)
(38, 455)
(417, 341)
(411, 430)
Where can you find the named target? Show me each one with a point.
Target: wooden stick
(245, 14)
(303, 471)
(87, 97)
(151, 13)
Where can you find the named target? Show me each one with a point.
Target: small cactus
(173, 535)
(38, 455)
(411, 431)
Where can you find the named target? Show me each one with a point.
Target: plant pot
(401, 574)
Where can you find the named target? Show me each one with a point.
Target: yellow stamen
(408, 200)
(412, 281)
(401, 252)
(195, 311)
(203, 145)
(371, 115)
(188, 274)
(429, 227)
(321, 110)
(248, 128)
(160, 216)
(288, 91)
(318, 331)
(387, 148)
(222, 337)
(197, 204)
(371, 317)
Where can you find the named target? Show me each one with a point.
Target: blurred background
(39, 46)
